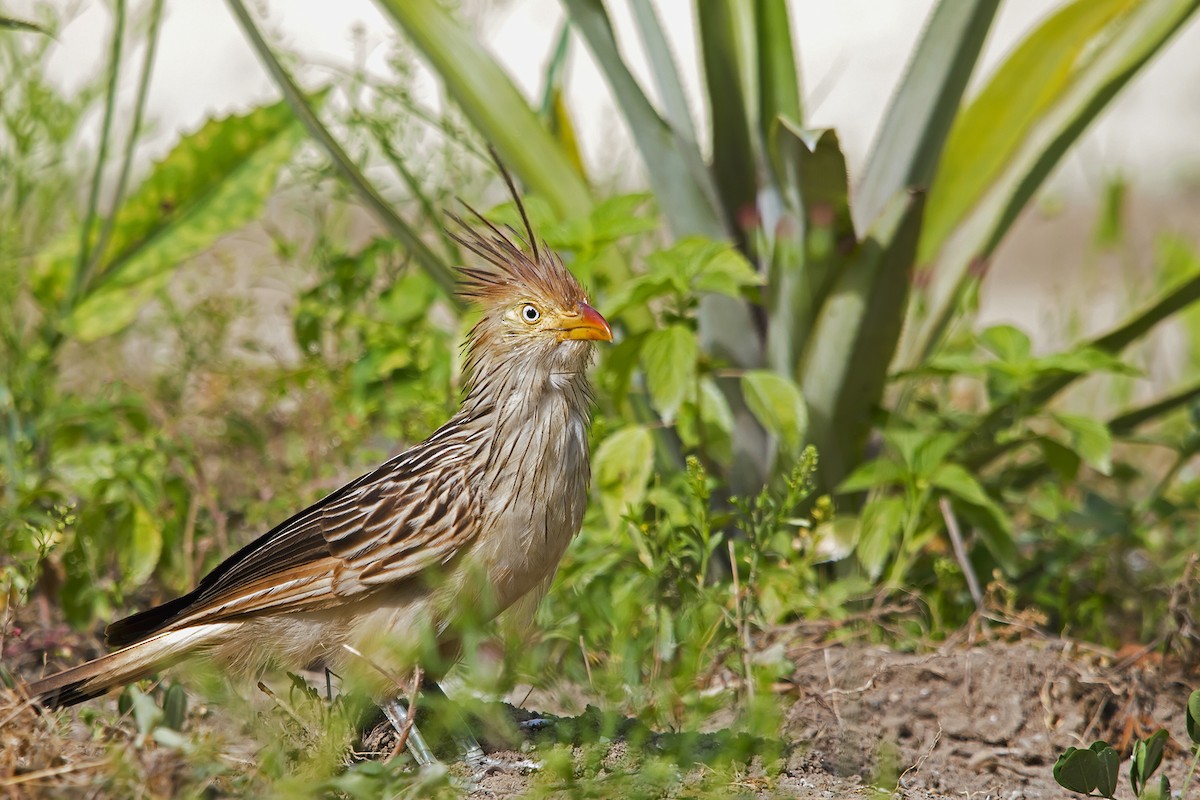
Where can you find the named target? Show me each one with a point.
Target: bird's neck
(528, 406)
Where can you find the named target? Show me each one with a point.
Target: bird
(472, 521)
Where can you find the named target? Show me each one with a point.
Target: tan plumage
(476, 517)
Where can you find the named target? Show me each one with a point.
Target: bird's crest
(507, 269)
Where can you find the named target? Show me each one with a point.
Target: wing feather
(415, 511)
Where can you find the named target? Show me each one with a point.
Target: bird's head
(535, 313)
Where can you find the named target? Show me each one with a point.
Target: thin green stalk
(366, 192)
(910, 530)
(139, 112)
(83, 263)
(1191, 771)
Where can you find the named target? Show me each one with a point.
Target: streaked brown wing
(411, 513)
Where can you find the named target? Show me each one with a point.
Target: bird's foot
(535, 724)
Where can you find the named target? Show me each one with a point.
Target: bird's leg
(481, 763)
(398, 714)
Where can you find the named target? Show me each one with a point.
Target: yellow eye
(530, 313)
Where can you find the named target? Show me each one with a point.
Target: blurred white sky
(852, 53)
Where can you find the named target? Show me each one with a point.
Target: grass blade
(301, 106)
(84, 264)
(139, 111)
(492, 103)
(663, 70)
(909, 143)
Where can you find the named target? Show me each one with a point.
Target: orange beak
(586, 324)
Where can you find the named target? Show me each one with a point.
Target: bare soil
(982, 720)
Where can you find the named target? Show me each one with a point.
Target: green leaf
(139, 555)
(880, 528)
(624, 462)
(911, 137)
(1193, 716)
(175, 707)
(1086, 771)
(213, 182)
(778, 72)
(1109, 765)
(1007, 343)
(726, 31)
(1013, 134)
(811, 238)
(492, 103)
(873, 474)
(778, 404)
(669, 359)
(674, 165)
(1147, 756)
(663, 69)
(1090, 438)
(845, 367)
(1060, 458)
(14, 24)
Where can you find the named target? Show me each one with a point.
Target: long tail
(98, 676)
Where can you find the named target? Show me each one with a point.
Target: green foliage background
(798, 406)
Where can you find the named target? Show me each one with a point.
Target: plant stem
(139, 112)
(1191, 771)
(366, 192)
(83, 263)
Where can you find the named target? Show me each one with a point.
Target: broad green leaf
(910, 140)
(778, 71)
(956, 480)
(726, 33)
(213, 182)
(1012, 135)
(1147, 756)
(881, 526)
(1108, 767)
(777, 403)
(623, 463)
(139, 555)
(1060, 458)
(873, 474)
(669, 358)
(1007, 343)
(492, 103)
(674, 165)
(811, 237)
(663, 69)
(1077, 770)
(854, 339)
(1090, 438)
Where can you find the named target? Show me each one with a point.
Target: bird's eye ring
(530, 313)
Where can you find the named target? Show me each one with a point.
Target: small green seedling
(1147, 755)
(1093, 772)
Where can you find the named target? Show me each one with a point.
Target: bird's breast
(536, 500)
